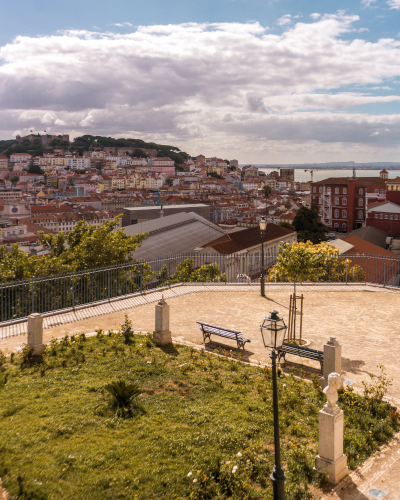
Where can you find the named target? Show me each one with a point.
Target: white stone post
(332, 360)
(162, 334)
(330, 453)
(35, 333)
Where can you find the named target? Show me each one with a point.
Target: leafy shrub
(122, 396)
(26, 355)
(127, 331)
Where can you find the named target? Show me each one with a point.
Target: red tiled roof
(376, 270)
(238, 241)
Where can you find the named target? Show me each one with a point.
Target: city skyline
(264, 83)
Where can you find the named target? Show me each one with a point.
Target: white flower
(195, 480)
(284, 385)
(235, 469)
(239, 454)
(189, 474)
(227, 463)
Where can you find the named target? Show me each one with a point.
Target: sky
(261, 81)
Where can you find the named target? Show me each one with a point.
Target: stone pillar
(35, 333)
(332, 360)
(162, 334)
(330, 453)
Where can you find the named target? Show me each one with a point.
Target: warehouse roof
(173, 234)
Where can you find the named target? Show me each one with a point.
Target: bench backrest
(215, 329)
(302, 348)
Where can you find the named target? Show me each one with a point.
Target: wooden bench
(209, 330)
(303, 352)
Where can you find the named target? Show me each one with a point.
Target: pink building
(167, 170)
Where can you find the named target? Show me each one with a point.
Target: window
(377, 191)
(381, 216)
(344, 190)
(376, 215)
(320, 212)
(336, 190)
(360, 202)
(382, 191)
(329, 190)
(389, 187)
(360, 191)
(336, 226)
(386, 216)
(314, 189)
(336, 214)
(344, 226)
(344, 201)
(336, 201)
(396, 217)
(320, 189)
(391, 216)
(344, 213)
(360, 214)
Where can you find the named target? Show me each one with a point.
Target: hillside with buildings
(49, 183)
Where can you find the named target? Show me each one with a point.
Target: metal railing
(18, 299)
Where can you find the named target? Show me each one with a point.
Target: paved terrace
(363, 318)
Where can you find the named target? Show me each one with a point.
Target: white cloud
(394, 4)
(367, 3)
(375, 133)
(122, 25)
(286, 19)
(207, 87)
(315, 16)
(361, 30)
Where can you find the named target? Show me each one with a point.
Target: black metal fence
(18, 299)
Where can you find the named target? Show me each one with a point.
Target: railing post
(108, 274)
(141, 277)
(33, 298)
(73, 292)
(384, 274)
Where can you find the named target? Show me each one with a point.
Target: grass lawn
(197, 417)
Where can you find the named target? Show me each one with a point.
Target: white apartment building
(161, 162)
(78, 162)
(154, 182)
(20, 157)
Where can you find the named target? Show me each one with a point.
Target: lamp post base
(278, 483)
(262, 286)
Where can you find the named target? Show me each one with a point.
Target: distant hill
(87, 142)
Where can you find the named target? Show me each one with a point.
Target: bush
(122, 397)
(127, 331)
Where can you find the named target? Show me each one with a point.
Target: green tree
(139, 153)
(308, 226)
(85, 247)
(14, 180)
(186, 273)
(300, 261)
(214, 174)
(35, 169)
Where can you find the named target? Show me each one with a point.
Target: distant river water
(320, 174)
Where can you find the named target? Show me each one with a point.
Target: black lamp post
(273, 332)
(263, 226)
